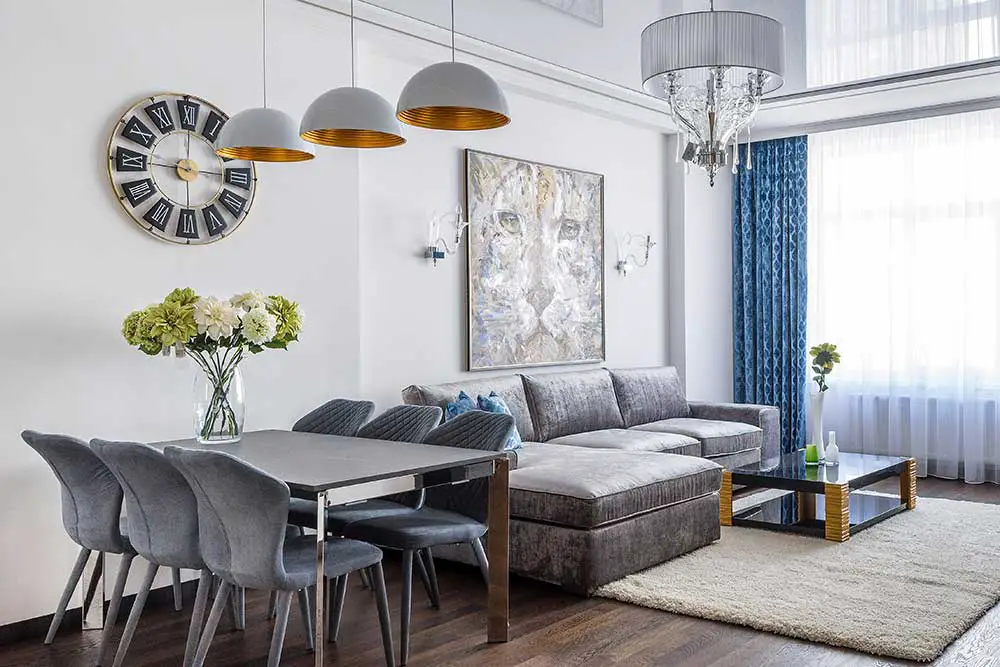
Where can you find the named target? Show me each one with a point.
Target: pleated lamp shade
(453, 96)
(351, 117)
(262, 135)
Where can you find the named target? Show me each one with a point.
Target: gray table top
(311, 463)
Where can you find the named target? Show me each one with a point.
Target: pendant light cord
(353, 65)
(263, 46)
(452, 30)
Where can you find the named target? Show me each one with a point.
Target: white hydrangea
(249, 300)
(259, 326)
(215, 317)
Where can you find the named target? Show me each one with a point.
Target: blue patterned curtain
(769, 283)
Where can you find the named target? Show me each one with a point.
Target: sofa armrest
(766, 417)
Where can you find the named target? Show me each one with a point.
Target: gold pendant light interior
(453, 118)
(264, 154)
(341, 138)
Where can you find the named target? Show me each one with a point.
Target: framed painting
(536, 263)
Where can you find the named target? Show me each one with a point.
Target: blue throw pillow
(460, 405)
(495, 403)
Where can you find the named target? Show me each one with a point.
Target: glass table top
(792, 468)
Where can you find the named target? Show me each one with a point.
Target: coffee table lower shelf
(805, 513)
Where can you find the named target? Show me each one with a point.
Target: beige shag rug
(905, 588)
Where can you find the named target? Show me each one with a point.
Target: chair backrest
(242, 512)
(160, 505)
(402, 423)
(337, 417)
(470, 430)
(91, 496)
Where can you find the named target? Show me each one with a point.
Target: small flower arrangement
(824, 356)
(215, 333)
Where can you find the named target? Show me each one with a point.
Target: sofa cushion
(649, 394)
(633, 441)
(717, 437)
(566, 403)
(509, 387)
(582, 487)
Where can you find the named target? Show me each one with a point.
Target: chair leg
(238, 607)
(271, 608)
(175, 575)
(74, 579)
(425, 578)
(404, 609)
(435, 591)
(305, 609)
(197, 616)
(133, 617)
(337, 609)
(116, 601)
(214, 616)
(365, 583)
(283, 604)
(95, 580)
(384, 622)
(484, 565)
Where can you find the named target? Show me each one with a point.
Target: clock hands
(174, 166)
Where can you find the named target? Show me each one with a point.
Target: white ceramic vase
(816, 411)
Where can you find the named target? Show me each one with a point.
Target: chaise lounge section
(618, 471)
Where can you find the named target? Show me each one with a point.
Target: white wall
(413, 319)
(72, 265)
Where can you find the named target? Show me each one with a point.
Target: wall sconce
(627, 260)
(437, 246)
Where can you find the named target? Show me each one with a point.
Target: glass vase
(816, 410)
(219, 407)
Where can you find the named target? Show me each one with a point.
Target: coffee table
(826, 502)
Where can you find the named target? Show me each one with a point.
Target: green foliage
(824, 356)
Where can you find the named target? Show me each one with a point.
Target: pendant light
(453, 96)
(262, 134)
(351, 117)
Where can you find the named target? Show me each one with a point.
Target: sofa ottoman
(583, 517)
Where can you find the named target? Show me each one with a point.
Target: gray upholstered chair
(91, 512)
(162, 526)
(242, 515)
(337, 417)
(451, 515)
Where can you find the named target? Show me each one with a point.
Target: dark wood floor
(550, 628)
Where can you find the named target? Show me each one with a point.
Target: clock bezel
(119, 193)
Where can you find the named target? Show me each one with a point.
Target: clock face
(167, 176)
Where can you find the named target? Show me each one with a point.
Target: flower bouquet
(215, 334)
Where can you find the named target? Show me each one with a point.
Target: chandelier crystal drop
(713, 68)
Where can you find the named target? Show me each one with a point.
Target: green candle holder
(812, 455)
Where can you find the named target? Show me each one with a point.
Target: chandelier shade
(453, 96)
(351, 117)
(713, 68)
(262, 135)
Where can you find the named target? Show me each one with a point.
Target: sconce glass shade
(453, 96)
(262, 135)
(351, 117)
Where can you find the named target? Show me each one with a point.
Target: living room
(795, 267)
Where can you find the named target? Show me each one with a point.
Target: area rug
(905, 588)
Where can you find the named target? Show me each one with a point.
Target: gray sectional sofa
(618, 472)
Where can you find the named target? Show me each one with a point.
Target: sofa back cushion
(508, 387)
(567, 403)
(650, 394)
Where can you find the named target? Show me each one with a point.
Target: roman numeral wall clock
(167, 177)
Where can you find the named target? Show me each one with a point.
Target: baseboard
(35, 628)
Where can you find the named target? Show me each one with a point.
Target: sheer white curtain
(904, 276)
(848, 40)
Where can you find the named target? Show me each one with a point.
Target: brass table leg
(908, 485)
(726, 499)
(806, 505)
(838, 512)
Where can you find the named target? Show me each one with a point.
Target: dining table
(339, 470)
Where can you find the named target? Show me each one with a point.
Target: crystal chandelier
(712, 68)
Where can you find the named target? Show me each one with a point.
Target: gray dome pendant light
(262, 134)
(453, 96)
(351, 117)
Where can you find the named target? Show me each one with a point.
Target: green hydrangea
(130, 325)
(144, 337)
(289, 320)
(184, 296)
(172, 323)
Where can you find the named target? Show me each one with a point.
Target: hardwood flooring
(549, 628)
